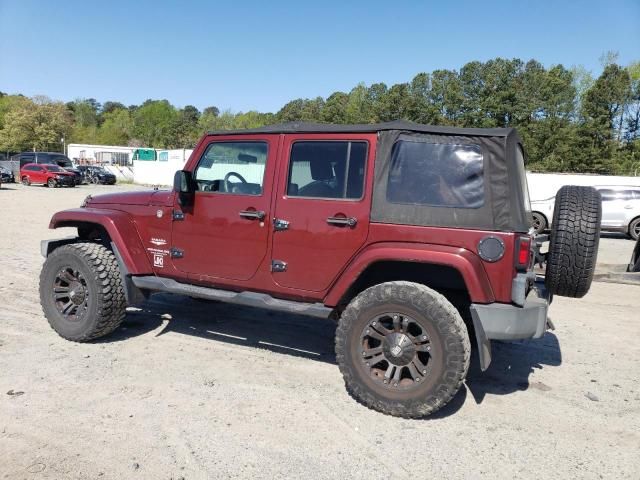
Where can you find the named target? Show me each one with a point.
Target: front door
(322, 207)
(224, 235)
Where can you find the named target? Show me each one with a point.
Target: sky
(257, 55)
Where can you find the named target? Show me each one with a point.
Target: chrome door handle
(628, 207)
(342, 221)
(252, 214)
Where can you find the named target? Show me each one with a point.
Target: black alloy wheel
(396, 351)
(70, 294)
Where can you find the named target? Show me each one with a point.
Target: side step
(252, 299)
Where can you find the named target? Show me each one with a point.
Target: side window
(232, 167)
(609, 195)
(435, 174)
(319, 169)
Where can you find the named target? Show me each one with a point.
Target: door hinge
(176, 253)
(278, 266)
(177, 215)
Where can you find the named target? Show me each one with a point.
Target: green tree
(153, 123)
(116, 128)
(35, 124)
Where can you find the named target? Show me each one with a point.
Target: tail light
(523, 253)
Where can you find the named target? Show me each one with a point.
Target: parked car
(97, 175)
(620, 210)
(415, 259)
(46, 174)
(53, 158)
(7, 176)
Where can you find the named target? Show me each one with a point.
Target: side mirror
(185, 186)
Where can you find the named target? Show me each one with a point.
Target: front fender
(120, 228)
(468, 264)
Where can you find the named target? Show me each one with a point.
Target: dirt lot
(199, 390)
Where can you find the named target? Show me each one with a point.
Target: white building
(102, 154)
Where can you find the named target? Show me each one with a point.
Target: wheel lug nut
(395, 384)
(424, 371)
(424, 337)
(395, 317)
(373, 323)
(368, 330)
(417, 379)
(384, 381)
(428, 348)
(364, 354)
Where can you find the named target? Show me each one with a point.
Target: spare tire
(575, 234)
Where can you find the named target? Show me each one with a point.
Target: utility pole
(64, 146)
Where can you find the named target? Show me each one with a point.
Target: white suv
(620, 210)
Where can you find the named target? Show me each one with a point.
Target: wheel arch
(110, 227)
(436, 266)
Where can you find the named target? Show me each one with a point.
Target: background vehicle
(7, 176)
(53, 158)
(414, 238)
(97, 175)
(620, 210)
(46, 174)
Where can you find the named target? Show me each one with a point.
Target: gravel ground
(190, 389)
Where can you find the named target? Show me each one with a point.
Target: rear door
(322, 208)
(615, 205)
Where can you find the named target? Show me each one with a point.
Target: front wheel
(403, 349)
(81, 291)
(634, 228)
(51, 183)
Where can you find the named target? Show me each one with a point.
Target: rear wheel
(539, 222)
(634, 228)
(81, 291)
(403, 349)
(575, 234)
(25, 181)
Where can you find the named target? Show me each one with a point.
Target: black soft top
(307, 127)
(506, 202)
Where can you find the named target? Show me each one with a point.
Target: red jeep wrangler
(415, 238)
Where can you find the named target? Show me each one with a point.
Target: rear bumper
(500, 321)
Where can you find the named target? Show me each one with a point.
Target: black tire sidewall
(632, 227)
(449, 339)
(72, 330)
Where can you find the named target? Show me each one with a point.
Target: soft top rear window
(436, 174)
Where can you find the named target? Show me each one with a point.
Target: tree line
(569, 120)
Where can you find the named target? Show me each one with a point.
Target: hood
(147, 197)
(65, 174)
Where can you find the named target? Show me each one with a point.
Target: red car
(49, 175)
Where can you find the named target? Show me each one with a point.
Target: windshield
(99, 170)
(54, 168)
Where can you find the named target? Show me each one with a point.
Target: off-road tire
(634, 228)
(575, 234)
(451, 348)
(106, 304)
